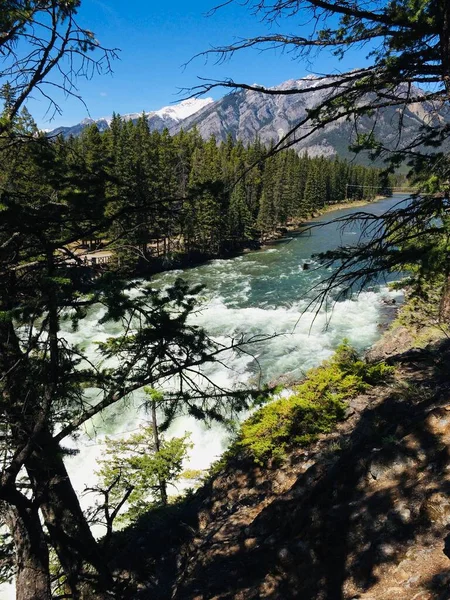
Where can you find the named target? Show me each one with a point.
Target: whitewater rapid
(264, 293)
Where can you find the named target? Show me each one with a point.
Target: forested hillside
(182, 195)
(349, 483)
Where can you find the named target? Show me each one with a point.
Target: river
(263, 292)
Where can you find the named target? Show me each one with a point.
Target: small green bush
(316, 405)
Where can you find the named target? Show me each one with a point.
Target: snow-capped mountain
(166, 117)
(248, 114)
(183, 110)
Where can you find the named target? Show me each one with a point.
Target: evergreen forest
(185, 197)
(367, 480)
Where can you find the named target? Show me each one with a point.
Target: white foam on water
(7, 591)
(297, 338)
(209, 442)
(301, 340)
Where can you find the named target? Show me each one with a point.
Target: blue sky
(157, 38)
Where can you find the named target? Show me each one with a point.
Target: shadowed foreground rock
(362, 514)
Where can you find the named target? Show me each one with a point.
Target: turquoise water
(274, 276)
(269, 292)
(261, 293)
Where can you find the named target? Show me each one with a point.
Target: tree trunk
(19, 514)
(445, 44)
(86, 571)
(444, 307)
(162, 482)
(32, 562)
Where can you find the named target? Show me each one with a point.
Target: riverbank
(344, 205)
(195, 259)
(362, 512)
(300, 225)
(99, 259)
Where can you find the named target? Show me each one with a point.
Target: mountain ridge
(165, 117)
(248, 115)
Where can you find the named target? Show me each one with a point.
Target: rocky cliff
(247, 115)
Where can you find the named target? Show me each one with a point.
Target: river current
(267, 292)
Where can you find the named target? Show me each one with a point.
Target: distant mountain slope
(166, 117)
(247, 115)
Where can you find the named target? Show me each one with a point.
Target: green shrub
(316, 405)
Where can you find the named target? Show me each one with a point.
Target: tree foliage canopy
(133, 471)
(43, 49)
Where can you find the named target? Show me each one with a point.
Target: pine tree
(268, 216)
(239, 217)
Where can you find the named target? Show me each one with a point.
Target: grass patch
(317, 404)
